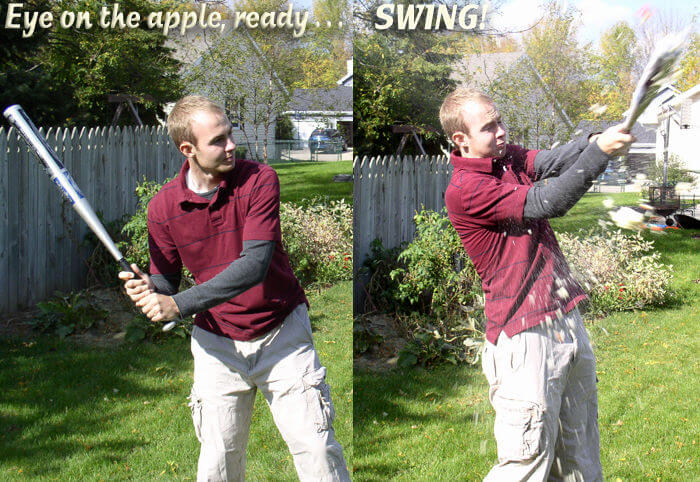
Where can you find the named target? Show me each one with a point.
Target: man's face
(214, 150)
(487, 133)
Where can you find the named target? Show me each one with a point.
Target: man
(220, 218)
(537, 359)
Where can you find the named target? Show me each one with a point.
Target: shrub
(141, 328)
(381, 288)
(284, 129)
(102, 270)
(439, 295)
(675, 171)
(136, 229)
(438, 278)
(433, 341)
(135, 248)
(241, 152)
(317, 236)
(436, 293)
(364, 336)
(66, 314)
(618, 271)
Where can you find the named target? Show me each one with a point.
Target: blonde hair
(451, 109)
(179, 125)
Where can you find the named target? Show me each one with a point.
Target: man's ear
(187, 149)
(459, 139)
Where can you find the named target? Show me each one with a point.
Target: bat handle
(126, 267)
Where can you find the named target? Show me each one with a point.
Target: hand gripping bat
(62, 178)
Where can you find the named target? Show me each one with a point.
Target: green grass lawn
(305, 180)
(74, 412)
(437, 424)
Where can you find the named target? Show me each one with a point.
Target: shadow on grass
(61, 400)
(315, 320)
(394, 396)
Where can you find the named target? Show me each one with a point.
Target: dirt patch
(105, 332)
(383, 355)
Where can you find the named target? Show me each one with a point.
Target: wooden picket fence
(387, 193)
(40, 233)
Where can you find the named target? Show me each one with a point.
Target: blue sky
(596, 15)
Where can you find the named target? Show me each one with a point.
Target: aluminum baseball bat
(64, 181)
(659, 71)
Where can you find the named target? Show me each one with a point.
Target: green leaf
(407, 359)
(64, 330)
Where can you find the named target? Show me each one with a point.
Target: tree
(77, 68)
(400, 80)
(22, 80)
(318, 59)
(543, 95)
(690, 65)
(561, 63)
(235, 71)
(402, 77)
(658, 25)
(614, 78)
(327, 49)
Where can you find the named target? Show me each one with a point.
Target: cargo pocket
(518, 429)
(195, 405)
(318, 399)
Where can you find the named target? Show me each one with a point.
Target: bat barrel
(59, 175)
(62, 178)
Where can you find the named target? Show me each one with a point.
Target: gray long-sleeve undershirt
(555, 162)
(576, 174)
(241, 275)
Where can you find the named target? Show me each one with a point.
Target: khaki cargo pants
(284, 365)
(543, 389)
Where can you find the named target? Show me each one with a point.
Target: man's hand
(159, 307)
(615, 141)
(137, 284)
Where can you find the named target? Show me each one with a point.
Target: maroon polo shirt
(524, 275)
(206, 236)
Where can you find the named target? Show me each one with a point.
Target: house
(311, 109)
(190, 49)
(676, 121)
(641, 154)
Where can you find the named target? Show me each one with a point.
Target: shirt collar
(190, 196)
(478, 164)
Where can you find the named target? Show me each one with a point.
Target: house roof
(643, 134)
(347, 78)
(336, 99)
